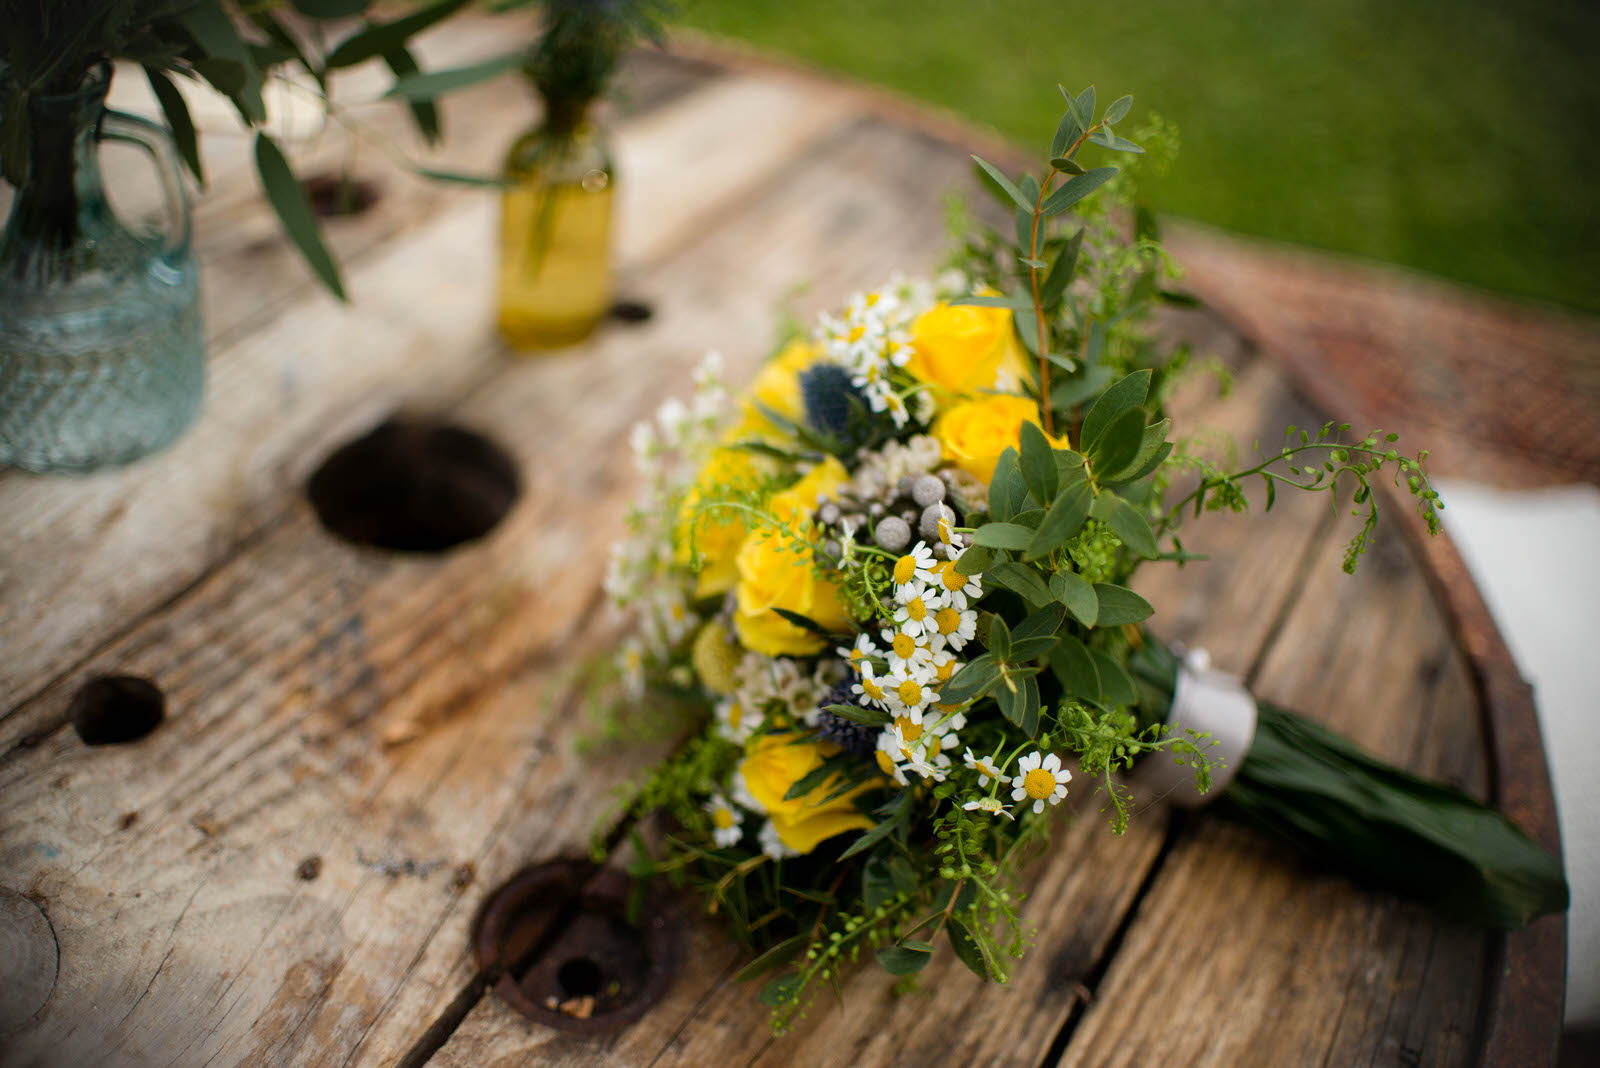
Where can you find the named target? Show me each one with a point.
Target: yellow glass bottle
(555, 237)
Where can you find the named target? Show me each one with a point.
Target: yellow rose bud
(774, 765)
(964, 349)
(774, 572)
(975, 433)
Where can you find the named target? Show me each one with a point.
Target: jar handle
(154, 139)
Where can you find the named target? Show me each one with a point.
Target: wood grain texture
(281, 394)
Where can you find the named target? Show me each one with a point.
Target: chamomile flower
(896, 406)
(914, 614)
(908, 692)
(916, 564)
(991, 805)
(954, 626)
(944, 665)
(890, 756)
(858, 652)
(725, 829)
(920, 750)
(958, 589)
(735, 722)
(630, 660)
(1040, 779)
(772, 845)
(906, 652)
(985, 767)
(869, 688)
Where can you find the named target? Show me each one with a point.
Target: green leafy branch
(1318, 465)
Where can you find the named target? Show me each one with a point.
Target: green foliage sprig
(49, 48)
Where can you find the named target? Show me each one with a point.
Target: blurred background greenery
(1459, 137)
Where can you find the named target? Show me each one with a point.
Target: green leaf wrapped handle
(1313, 789)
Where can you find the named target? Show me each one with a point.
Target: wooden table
(360, 745)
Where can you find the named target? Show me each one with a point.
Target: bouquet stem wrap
(1307, 786)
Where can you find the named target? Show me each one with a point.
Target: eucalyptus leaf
(427, 86)
(1037, 463)
(1074, 591)
(776, 957)
(1043, 623)
(424, 112)
(974, 560)
(1119, 107)
(1119, 605)
(1128, 393)
(1116, 688)
(1075, 189)
(378, 38)
(866, 717)
(973, 680)
(288, 199)
(1023, 580)
(1075, 669)
(331, 9)
(906, 958)
(1126, 523)
(1118, 444)
(1063, 520)
(966, 947)
(1003, 536)
(178, 120)
(1004, 183)
(1055, 283)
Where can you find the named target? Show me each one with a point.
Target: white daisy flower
(772, 845)
(916, 564)
(858, 652)
(914, 614)
(725, 829)
(908, 692)
(869, 688)
(630, 661)
(905, 652)
(954, 626)
(944, 663)
(889, 756)
(897, 409)
(984, 766)
(958, 589)
(735, 721)
(1040, 779)
(991, 805)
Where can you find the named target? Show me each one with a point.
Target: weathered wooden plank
(288, 667)
(284, 392)
(1307, 968)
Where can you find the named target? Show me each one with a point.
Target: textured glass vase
(102, 353)
(555, 236)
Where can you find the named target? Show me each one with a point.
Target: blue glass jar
(102, 351)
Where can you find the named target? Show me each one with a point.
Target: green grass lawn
(1460, 137)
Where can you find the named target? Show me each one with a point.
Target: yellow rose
(774, 765)
(777, 386)
(716, 535)
(975, 433)
(963, 348)
(774, 572)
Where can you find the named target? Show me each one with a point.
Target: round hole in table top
(415, 485)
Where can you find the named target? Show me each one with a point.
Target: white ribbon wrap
(1208, 701)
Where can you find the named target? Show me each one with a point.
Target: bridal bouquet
(891, 582)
